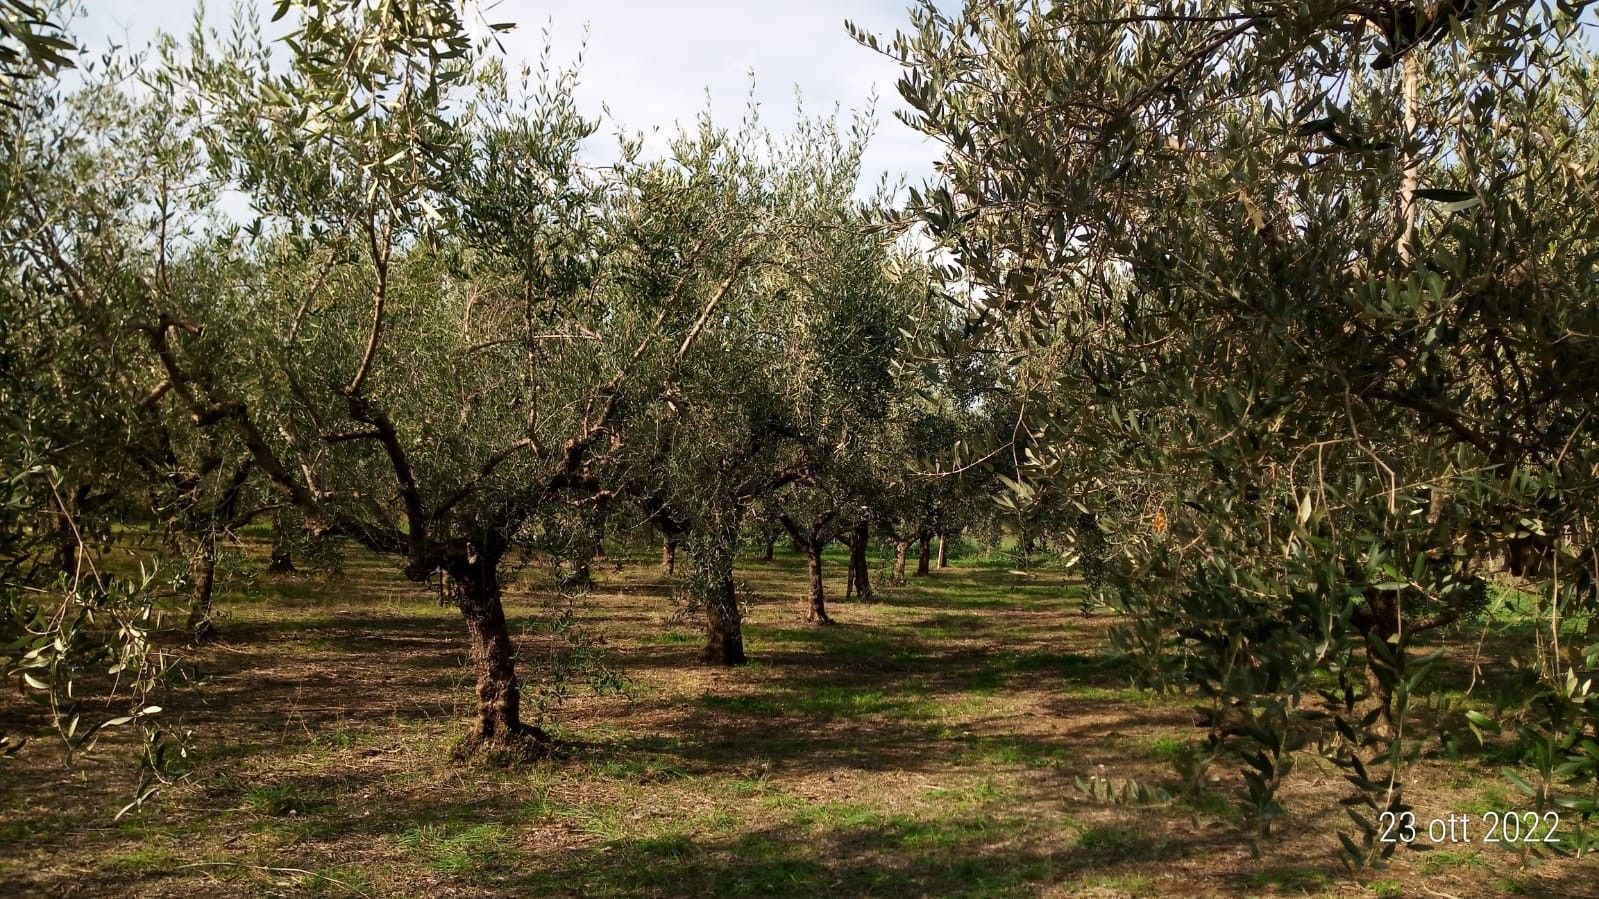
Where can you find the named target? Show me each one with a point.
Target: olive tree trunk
(816, 601)
(475, 586)
(203, 574)
(1380, 618)
(711, 552)
(860, 567)
(923, 548)
(811, 540)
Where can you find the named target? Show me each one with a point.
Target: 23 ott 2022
(1489, 827)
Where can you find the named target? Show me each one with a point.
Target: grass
(145, 860)
(468, 851)
(279, 800)
(927, 744)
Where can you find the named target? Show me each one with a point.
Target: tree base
(523, 744)
(724, 655)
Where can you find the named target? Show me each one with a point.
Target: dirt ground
(928, 744)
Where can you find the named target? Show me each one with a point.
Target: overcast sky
(652, 61)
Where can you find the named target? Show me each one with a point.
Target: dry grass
(926, 745)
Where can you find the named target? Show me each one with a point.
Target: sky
(652, 62)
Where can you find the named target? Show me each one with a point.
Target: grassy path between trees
(928, 744)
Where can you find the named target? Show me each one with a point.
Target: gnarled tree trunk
(1380, 618)
(474, 584)
(203, 574)
(816, 602)
(923, 547)
(669, 555)
(711, 552)
(902, 549)
(769, 547)
(724, 627)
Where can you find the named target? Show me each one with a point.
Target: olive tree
(778, 390)
(420, 339)
(1303, 293)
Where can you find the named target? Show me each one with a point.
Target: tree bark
(203, 571)
(769, 550)
(943, 551)
(816, 608)
(1412, 173)
(1381, 620)
(860, 567)
(812, 540)
(711, 551)
(668, 555)
(724, 627)
(474, 581)
(922, 543)
(902, 549)
(281, 561)
(68, 540)
(281, 558)
(66, 546)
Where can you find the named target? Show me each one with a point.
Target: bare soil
(928, 744)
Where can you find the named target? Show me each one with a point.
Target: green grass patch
(142, 862)
(466, 851)
(278, 800)
(1292, 879)
(673, 638)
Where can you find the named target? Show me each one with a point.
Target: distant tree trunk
(281, 559)
(859, 566)
(475, 586)
(943, 551)
(812, 541)
(203, 572)
(582, 577)
(816, 609)
(66, 545)
(923, 556)
(902, 549)
(1027, 543)
(769, 548)
(672, 530)
(68, 540)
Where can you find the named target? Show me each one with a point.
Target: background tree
(414, 345)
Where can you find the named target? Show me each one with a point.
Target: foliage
(1303, 297)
